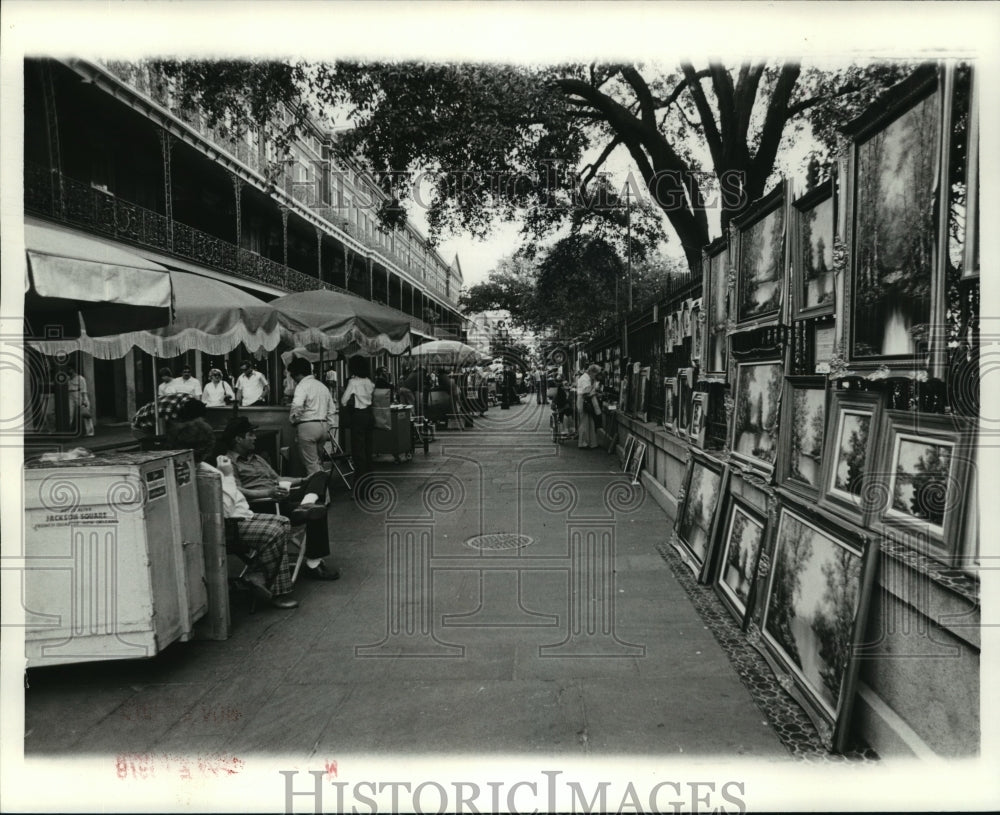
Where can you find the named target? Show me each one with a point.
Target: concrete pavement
(561, 631)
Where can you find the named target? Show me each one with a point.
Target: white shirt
(234, 503)
(361, 389)
(215, 393)
(251, 387)
(191, 386)
(167, 387)
(311, 402)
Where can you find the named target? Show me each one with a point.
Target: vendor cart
(397, 441)
(114, 566)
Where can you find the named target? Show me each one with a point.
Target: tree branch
(774, 125)
(705, 112)
(596, 165)
(797, 108)
(642, 93)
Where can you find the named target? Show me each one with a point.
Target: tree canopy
(501, 140)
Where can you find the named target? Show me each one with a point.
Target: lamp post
(503, 336)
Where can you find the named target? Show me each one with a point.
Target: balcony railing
(97, 210)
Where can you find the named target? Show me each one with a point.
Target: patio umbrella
(209, 316)
(78, 282)
(445, 352)
(341, 322)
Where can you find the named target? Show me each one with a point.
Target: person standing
(587, 408)
(541, 386)
(251, 386)
(218, 392)
(80, 412)
(330, 378)
(166, 382)
(187, 383)
(361, 389)
(311, 411)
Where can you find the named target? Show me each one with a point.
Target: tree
(500, 139)
(833, 622)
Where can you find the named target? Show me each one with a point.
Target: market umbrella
(209, 316)
(445, 352)
(334, 321)
(76, 282)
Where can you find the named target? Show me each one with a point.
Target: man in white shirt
(310, 413)
(251, 386)
(186, 384)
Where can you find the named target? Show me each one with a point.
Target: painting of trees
(921, 480)
(761, 266)
(833, 623)
(699, 507)
(793, 550)
(808, 422)
(742, 548)
(852, 452)
(758, 396)
(816, 259)
(717, 284)
(894, 232)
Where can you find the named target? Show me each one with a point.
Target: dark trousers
(362, 440)
(317, 532)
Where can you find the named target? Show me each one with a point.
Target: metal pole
(628, 243)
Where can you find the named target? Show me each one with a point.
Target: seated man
(265, 535)
(301, 503)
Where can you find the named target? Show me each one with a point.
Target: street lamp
(503, 337)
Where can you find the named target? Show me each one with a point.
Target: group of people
(582, 417)
(250, 387)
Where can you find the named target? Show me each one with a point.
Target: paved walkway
(574, 639)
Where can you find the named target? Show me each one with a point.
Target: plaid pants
(268, 534)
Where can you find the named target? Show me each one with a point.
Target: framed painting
(698, 515)
(670, 402)
(635, 461)
(757, 396)
(675, 330)
(814, 217)
(760, 261)
(803, 428)
(697, 334)
(683, 401)
(686, 319)
(849, 453)
(923, 479)
(815, 609)
(699, 418)
(641, 411)
(744, 530)
(715, 308)
(895, 292)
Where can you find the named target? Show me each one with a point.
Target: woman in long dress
(586, 390)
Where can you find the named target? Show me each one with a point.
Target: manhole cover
(499, 541)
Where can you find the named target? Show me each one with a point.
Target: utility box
(114, 565)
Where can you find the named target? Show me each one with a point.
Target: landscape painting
(717, 311)
(812, 605)
(683, 402)
(814, 274)
(670, 402)
(894, 233)
(699, 418)
(850, 454)
(761, 267)
(921, 479)
(694, 526)
(741, 547)
(807, 427)
(697, 334)
(755, 423)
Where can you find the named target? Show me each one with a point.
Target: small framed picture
(803, 429)
(715, 260)
(852, 432)
(629, 447)
(815, 608)
(683, 402)
(922, 480)
(743, 537)
(699, 418)
(698, 514)
(697, 334)
(755, 418)
(670, 403)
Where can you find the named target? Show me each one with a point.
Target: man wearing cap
(310, 413)
(186, 383)
(251, 386)
(301, 502)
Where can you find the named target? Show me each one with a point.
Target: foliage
(795, 548)
(499, 139)
(833, 622)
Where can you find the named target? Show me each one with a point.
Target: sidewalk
(577, 642)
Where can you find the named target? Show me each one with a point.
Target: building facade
(109, 152)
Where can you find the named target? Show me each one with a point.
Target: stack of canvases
(867, 351)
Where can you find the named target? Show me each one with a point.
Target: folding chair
(340, 462)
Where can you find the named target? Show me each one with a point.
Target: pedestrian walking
(80, 410)
(587, 408)
(359, 392)
(311, 411)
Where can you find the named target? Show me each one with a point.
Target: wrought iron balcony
(72, 202)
